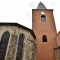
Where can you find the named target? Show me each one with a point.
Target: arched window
(44, 38)
(43, 18)
(20, 47)
(3, 44)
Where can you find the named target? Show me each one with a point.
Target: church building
(42, 42)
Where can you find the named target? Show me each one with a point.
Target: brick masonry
(45, 50)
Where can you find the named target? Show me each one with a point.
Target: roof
(58, 33)
(41, 6)
(57, 47)
(20, 26)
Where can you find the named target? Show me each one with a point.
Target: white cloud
(21, 11)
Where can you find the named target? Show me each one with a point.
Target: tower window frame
(43, 18)
(44, 38)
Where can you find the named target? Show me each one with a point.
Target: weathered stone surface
(57, 53)
(30, 50)
(29, 46)
(12, 48)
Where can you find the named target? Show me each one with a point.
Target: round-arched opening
(20, 47)
(43, 18)
(44, 38)
(4, 44)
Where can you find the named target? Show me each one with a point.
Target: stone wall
(30, 50)
(29, 46)
(57, 53)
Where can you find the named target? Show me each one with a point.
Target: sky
(20, 11)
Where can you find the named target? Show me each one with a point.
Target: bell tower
(44, 28)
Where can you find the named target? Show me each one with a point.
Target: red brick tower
(44, 28)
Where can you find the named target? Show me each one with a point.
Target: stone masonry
(29, 46)
(57, 53)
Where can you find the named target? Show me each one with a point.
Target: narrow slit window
(44, 38)
(43, 18)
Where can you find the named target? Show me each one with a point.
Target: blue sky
(20, 11)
